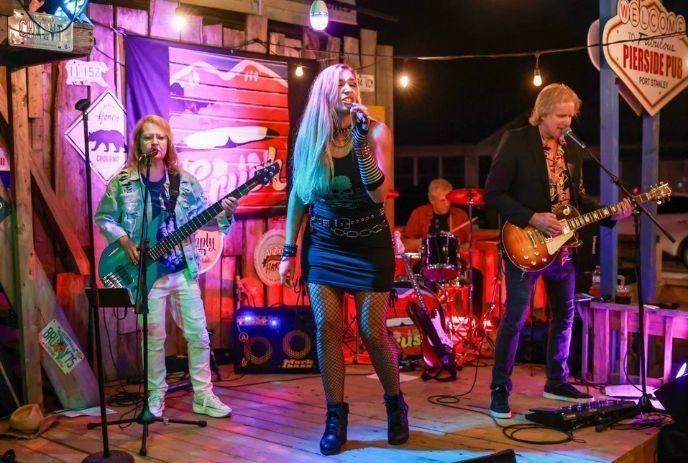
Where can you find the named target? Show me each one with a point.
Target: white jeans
(186, 307)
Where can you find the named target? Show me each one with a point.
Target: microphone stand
(115, 456)
(145, 418)
(644, 404)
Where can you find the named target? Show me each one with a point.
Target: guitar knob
(544, 260)
(532, 262)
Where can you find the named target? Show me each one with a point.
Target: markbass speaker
(274, 340)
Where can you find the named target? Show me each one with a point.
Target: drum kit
(446, 284)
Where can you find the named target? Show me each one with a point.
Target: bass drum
(405, 332)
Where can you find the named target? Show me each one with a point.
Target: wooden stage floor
(279, 418)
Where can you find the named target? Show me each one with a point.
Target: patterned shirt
(559, 181)
(559, 175)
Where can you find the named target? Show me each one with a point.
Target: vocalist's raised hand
(360, 118)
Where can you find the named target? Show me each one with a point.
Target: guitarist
(119, 218)
(534, 170)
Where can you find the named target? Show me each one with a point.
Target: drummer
(438, 216)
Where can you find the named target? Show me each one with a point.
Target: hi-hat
(467, 196)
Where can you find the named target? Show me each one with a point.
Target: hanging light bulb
(319, 17)
(298, 72)
(537, 78)
(404, 80)
(178, 21)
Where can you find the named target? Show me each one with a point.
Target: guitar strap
(174, 192)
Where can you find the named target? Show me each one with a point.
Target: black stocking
(326, 302)
(372, 318)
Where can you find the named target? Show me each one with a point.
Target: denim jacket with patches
(119, 211)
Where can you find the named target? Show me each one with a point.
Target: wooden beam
(351, 52)
(368, 57)
(334, 50)
(35, 91)
(194, 32)
(22, 237)
(257, 29)
(233, 38)
(64, 227)
(276, 43)
(609, 155)
(78, 388)
(161, 14)
(311, 44)
(648, 232)
(3, 94)
(212, 35)
(130, 20)
(7, 262)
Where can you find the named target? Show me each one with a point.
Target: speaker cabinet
(274, 340)
(674, 397)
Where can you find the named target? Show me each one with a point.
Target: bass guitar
(437, 348)
(116, 270)
(531, 250)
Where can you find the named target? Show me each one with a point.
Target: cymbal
(463, 196)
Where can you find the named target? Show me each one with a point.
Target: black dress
(347, 243)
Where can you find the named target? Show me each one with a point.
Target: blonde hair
(549, 97)
(438, 184)
(312, 165)
(171, 159)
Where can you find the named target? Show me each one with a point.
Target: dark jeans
(560, 283)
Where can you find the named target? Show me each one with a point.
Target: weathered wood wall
(51, 108)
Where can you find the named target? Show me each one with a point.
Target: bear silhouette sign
(106, 140)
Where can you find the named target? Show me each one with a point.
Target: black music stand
(115, 456)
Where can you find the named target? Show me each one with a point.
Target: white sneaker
(156, 404)
(210, 404)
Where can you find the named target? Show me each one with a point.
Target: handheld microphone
(361, 119)
(567, 132)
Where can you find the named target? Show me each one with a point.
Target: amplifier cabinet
(278, 339)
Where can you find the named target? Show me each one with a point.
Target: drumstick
(463, 225)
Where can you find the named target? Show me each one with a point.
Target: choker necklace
(341, 130)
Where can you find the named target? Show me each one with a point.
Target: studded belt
(349, 227)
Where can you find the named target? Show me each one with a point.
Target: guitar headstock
(264, 175)
(660, 192)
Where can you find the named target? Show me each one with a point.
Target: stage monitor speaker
(505, 456)
(674, 397)
(274, 340)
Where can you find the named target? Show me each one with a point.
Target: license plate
(53, 33)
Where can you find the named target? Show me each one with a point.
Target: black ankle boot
(397, 419)
(335, 428)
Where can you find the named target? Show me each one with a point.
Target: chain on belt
(341, 227)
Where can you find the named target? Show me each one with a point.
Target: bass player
(119, 218)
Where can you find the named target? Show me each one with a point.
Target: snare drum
(440, 257)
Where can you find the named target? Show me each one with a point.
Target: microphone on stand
(568, 133)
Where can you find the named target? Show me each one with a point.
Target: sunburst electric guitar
(117, 271)
(531, 250)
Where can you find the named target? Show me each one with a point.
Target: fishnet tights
(371, 308)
